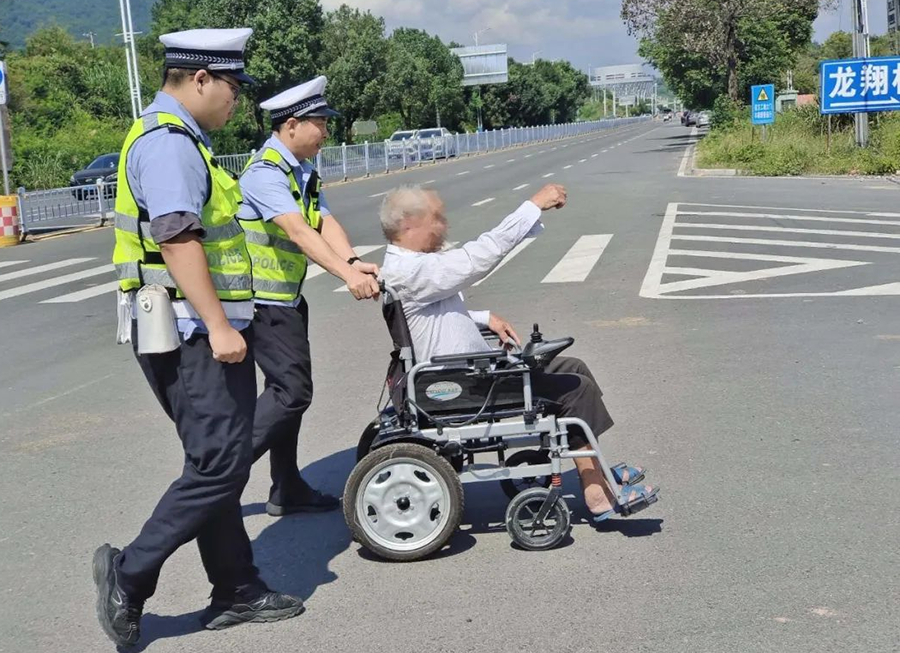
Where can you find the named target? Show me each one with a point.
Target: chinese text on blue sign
(762, 100)
(855, 85)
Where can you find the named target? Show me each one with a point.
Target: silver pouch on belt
(157, 333)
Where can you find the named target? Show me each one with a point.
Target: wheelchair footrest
(641, 503)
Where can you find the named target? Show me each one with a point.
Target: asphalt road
(746, 333)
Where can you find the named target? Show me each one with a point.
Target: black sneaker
(119, 616)
(303, 499)
(271, 606)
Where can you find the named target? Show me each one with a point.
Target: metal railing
(94, 204)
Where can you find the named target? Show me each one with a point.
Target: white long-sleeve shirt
(430, 285)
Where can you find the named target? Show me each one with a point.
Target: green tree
(354, 57)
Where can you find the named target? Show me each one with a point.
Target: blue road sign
(860, 85)
(762, 101)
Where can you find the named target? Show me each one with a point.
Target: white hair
(402, 203)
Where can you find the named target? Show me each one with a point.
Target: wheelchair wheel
(512, 487)
(403, 502)
(521, 526)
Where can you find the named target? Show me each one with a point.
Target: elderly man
(430, 281)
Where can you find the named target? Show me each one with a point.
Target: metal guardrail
(92, 205)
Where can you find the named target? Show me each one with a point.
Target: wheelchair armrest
(494, 354)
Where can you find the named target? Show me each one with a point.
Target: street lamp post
(131, 60)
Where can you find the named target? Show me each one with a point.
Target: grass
(798, 144)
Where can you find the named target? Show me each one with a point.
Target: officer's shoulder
(176, 143)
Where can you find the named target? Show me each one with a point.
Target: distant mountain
(19, 18)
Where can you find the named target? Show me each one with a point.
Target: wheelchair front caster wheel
(525, 529)
(512, 487)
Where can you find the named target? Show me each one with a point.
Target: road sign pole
(861, 51)
(3, 153)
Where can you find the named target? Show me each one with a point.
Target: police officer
(286, 219)
(176, 227)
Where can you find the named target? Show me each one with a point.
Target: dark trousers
(569, 384)
(282, 353)
(212, 405)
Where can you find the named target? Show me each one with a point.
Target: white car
(437, 142)
(400, 140)
(703, 119)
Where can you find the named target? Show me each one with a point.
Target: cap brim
(324, 112)
(243, 77)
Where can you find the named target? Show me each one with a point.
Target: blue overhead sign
(762, 101)
(860, 85)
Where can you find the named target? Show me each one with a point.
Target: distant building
(893, 15)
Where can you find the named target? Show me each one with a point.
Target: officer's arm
(316, 248)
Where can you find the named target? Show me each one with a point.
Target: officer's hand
(367, 268)
(228, 345)
(363, 286)
(551, 196)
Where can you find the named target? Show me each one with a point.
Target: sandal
(634, 498)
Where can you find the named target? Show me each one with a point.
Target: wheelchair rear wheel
(403, 502)
(512, 487)
(522, 524)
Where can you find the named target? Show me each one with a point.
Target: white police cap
(303, 101)
(216, 50)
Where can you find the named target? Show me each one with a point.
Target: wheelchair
(404, 498)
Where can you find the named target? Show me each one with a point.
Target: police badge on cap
(303, 101)
(216, 50)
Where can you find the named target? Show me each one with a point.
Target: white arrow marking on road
(9, 276)
(56, 281)
(520, 187)
(6, 264)
(361, 250)
(884, 289)
(87, 293)
(525, 243)
(483, 202)
(578, 262)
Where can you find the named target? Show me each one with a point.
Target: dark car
(85, 180)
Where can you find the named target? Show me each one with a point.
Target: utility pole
(131, 60)
(861, 51)
(90, 36)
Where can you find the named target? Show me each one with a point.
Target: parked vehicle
(689, 119)
(703, 119)
(84, 181)
(401, 140)
(439, 140)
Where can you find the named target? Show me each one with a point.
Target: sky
(588, 33)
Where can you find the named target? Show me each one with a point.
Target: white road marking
(488, 167)
(795, 209)
(788, 230)
(549, 174)
(583, 161)
(6, 264)
(430, 181)
(27, 272)
(520, 187)
(483, 202)
(518, 249)
(578, 262)
(510, 160)
(789, 243)
(87, 293)
(784, 216)
(379, 194)
(464, 172)
(566, 167)
(528, 156)
(594, 156)
(56, 281)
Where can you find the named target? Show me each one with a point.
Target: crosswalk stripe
(81, 295)
(789, 216)
(789, 243)
(483, 202)
(56, 281)
(314, 270)
(6, 264)
(9, 276)
(579, 260)
(518, 249)
(787, 230)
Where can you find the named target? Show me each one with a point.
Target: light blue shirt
(167, 175)
(267, 193)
